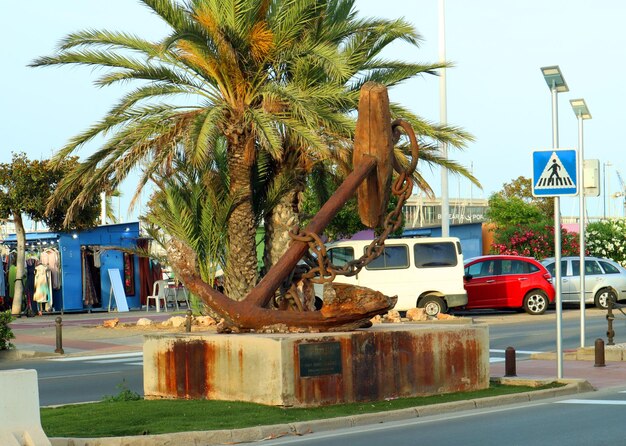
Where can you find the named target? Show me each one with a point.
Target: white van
(422, 272)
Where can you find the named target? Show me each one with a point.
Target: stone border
(14, 354)
(250, 434)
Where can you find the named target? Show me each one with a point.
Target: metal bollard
(610, 333)
(599, 351)
(59, 324)
(188, 321)
(509, 362)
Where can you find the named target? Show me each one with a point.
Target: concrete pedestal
(312, 369)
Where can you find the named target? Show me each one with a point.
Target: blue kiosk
(87, 260)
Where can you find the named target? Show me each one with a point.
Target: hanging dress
(90, 298)
(12, 275)
(2, 282)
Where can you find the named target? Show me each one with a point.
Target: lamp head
(580, 108)
(554, 78)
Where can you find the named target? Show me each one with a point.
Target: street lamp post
(557, 85)
(443, 120)
(582, 112)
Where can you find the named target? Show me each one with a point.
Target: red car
(503, 281)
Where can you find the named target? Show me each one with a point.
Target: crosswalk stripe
(99, 357)
(596, 402)
(521, 352)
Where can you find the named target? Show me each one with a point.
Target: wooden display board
(117, 289)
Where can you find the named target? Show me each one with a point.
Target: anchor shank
(262, 293)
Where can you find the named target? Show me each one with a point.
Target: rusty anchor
(374, 162)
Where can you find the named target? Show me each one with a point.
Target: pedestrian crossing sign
(555, 173)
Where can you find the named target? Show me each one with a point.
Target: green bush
(125, 394)
(6, 334)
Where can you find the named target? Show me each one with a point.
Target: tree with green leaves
(522, 188)
(523, 224)
(25, 188)
(221, 58)
(360, 41)
(252, 72)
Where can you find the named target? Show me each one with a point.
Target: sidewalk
(81, 333)
(612, 375)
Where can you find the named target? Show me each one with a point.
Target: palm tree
(225, 56)
(360, 42)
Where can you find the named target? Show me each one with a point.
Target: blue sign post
(555, 173)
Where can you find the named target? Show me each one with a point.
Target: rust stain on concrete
(179, 374)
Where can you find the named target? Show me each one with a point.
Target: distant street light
(443, 120)
(557, 84)
(582, 112)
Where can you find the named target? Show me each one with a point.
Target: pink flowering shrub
(533, 241)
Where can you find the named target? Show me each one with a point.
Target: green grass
(118, 418)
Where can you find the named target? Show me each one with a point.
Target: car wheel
(602, 296)
(536, 302)
(433, 305)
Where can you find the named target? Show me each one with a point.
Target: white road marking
(80, 375)
(111, 361)
(521, 352)
(596, 402)
(99, 357)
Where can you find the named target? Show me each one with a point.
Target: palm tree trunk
(241, 259)
(18, 292)
(283, 217)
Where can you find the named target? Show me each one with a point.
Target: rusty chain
(322, 270)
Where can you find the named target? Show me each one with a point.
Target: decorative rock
(111, 323)
(205, 321)
(416, 314)
(177, 321)
(443, 316)
(393, 316)
(143, 322)
(378, 319)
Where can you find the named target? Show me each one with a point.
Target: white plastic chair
(185, 296)
(159, 291)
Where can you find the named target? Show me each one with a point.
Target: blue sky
(495, 91)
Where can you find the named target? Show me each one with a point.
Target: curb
(259, 433)
(616, 352)
(16, 354)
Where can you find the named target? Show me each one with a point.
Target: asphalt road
(591, 419)
(83, 378)
(538, 333)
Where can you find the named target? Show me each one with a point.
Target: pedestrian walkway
(81, 333)
(612, 375)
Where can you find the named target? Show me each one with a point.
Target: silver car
(604, 279)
